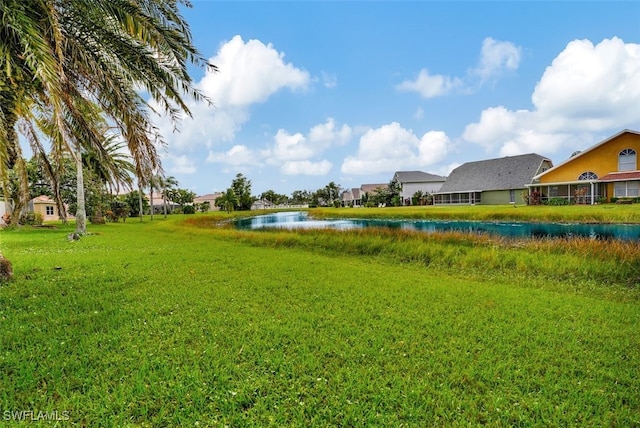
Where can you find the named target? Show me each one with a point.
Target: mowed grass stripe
(159, 324)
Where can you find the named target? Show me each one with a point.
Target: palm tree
(228, 200)
(66, 55)
(168, 186)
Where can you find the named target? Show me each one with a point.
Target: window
(588, 176)
(512, 196)
(627, 160)
(49, 209)
(626, 189)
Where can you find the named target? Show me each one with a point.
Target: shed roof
(511, 172)
(621, 176)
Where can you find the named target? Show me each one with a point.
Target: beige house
(46, 207)
(211, 198)
(354, 197)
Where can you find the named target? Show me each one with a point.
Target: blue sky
(310, 92)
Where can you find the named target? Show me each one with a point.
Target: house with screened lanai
(607, 170)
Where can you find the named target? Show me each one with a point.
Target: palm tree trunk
(81, 213)
(140, 199)
(151, 199)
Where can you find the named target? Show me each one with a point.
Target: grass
(178, 323)
(605, 213)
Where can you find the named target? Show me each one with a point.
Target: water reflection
(301, 220)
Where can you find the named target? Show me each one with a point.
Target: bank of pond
(302, 220)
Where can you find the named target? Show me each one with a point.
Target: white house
(412, 182)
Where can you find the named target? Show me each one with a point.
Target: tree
(301, 197)
(62, 56)
(242, 189)
(327, 196)
(168, 185)
(228, 201)
(183, 197)
(203, 207)
(274, 197)
(132, 199)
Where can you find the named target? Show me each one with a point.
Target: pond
(300, 220)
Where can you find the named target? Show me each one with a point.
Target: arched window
(627, 160)
(588, 176)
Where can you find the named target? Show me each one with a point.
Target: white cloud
(593, 86)
(430, 86)
(391, 148)
(296, 153)
(496, 57)
(433, 147)
(291, 147)
(330, 81)
(182, 165)
(249, 73)
(306, 167)
(495, 123)
(327, 134)
(237, 155)
(587, 89)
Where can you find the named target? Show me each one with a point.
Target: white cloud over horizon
(391, 148)
(249, 73)
(295, 154)
(587, 89)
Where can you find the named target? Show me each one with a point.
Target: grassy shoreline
(180, 321)
(605, 213)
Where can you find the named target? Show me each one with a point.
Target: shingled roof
(417, 177)
(511, 172)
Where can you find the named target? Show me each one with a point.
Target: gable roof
(584, 152)
(368, 188)
(207, 197)
(42, 199)
(351, 194)
(417, 177)
(511, 172)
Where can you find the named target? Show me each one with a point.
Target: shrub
(6, 271)
(31, 219)
(111, 216)
(188, 209)
(557, 201)
(97, 219)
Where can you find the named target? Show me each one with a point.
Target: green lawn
(168, 323)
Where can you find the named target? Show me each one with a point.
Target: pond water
(299, 220)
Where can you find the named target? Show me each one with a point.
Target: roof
(368, 188)
(207, 197)
(621, 176)
(584, 152)
(417, 177)
(511, 172)
(351, 194)
(43, 199)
